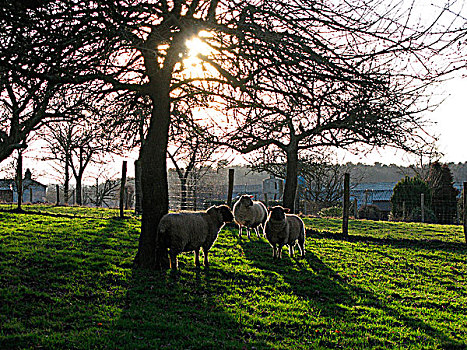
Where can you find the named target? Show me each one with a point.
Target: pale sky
(450, 126)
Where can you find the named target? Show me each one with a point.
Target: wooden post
(57, 188)
(403, 211)
(19, 180)
(355, 208)
(122, 188)
(422, 206)
(346, 205)
(464, 201)
(266, 199)
(231, 184)
(30, 195)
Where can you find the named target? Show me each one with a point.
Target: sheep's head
(246, 200)
(222, 211)
(277, 213)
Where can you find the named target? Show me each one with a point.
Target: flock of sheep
(191, 231)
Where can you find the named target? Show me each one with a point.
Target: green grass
(67, 283)
(65, 210)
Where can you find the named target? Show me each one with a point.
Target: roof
(9, 184)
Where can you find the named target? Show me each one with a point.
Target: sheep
(189, 231)
(250, 214)
(284, 229)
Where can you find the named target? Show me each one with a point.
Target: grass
(67, 282)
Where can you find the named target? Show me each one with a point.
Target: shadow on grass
(419, 244)
(310, 278)
(179, 310)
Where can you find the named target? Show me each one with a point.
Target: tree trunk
(79, 199)
(290, 189)
(183, 193)
(155, 199)
(19, 181)
(66, 184)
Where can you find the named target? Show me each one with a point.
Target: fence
(365, 201)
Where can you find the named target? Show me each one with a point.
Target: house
(378, 194)
(273, 188)
(33, 191)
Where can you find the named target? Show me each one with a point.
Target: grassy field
(67, 282)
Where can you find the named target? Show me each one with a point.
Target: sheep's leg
(273, 251)
(240, 231)
(173, 261)
(248, 232)
(301, 246)
(279, 253)
(197, 257)
(257, 231)
(291, 250)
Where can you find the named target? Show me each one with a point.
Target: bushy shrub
(444, 194)
(335, 212)
(406, 198)
(369, 212)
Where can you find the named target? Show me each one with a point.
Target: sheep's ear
(269, 208)
(251, 196)
(286, 210)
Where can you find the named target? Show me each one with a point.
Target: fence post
(57, 187)
(19, 180)
(422, 206)
(464, 201)
(122, 188)
(346, 205)
(231, 184)
(403, 211)
(355, 208)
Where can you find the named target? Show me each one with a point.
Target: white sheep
(189, 231)
(250, 214)
(284, 229)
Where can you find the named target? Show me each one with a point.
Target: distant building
(33, 191)
(273, 188)
(378, 194)
(255, 190)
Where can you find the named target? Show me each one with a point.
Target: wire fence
(367, 201)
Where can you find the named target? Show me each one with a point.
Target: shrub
(406, 198)
(335, 211)
(444, 194)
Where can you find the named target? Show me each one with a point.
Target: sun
(197, 47)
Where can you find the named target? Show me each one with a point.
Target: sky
(450, 126)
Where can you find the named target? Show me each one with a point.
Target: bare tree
(260, 56)
(77, 143)
(191, 152)
(104, 191)
(28, 98)
(371, 91)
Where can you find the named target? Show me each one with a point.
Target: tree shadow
(310, 278)
(179, 310)
(418, 244)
